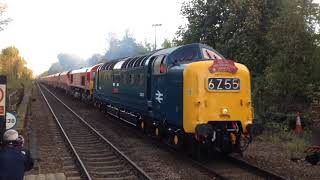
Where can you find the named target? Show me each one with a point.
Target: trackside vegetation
(14, 67)
(277, 39)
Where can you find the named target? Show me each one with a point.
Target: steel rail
(141, 172)
(84, 169)
(258, 170)
(239, 163)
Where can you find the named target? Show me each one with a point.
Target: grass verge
(293, 144)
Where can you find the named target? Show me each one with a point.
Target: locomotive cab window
(187, 54)
(71, 78)
(159, 65)
(83, 80)
(209, 54)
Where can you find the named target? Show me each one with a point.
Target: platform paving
(50, 176)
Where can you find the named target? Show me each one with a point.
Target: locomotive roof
(56, 74)
(166, 51)
(64, 73)
(140, 60)
(170, 50)
(79, 70)
(85, 69)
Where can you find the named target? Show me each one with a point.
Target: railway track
(233, 168)
(97, 157)
(229, 167)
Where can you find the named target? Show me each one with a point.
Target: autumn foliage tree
(13, 65)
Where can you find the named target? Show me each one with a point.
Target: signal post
(3, 91)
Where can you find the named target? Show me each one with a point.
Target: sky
(41, 29)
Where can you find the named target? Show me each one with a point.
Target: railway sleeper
(108, 168)
(100, 159)
(105, 163)
(98, 155)
(122, 172)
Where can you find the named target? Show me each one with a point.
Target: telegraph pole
(155, 34)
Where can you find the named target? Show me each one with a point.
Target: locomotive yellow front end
(217, 103)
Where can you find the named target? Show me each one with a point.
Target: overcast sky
(43, 28)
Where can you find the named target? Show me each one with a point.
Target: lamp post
(155, 34)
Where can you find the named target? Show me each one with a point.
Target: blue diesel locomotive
(187, 96)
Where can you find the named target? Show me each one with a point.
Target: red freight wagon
(50, 80)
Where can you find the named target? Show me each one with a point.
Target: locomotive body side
(53, 80)
(78, 79)
(169, 95)
(122, 90)
(64, 80)
(188, 95)
(81, 82)
(91, 78)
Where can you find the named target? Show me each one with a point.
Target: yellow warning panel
(215, 96)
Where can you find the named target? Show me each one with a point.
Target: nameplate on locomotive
(223, 66)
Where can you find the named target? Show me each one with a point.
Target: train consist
(189, 96)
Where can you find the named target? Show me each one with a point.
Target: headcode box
(3, 90)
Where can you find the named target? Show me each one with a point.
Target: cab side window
(83, 80)
(208, 54)
(71, 78)
(159, 65)
(186, 54)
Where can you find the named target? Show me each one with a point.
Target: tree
(206, 19)
(167, 43)
(292, 38)
(13, 65)
(44, 74)
(148, 46)
(276, 39)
